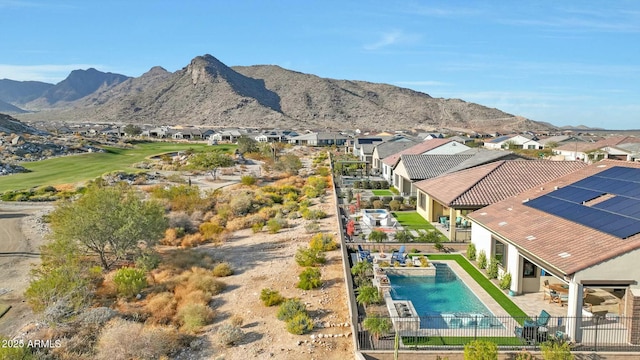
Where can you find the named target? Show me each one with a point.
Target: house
(591, 151)
(433, 146)
(363, 147)
(228, 135)
(513, 142)
(558, 140)
(319, 139)
(454, 195)
(388, 148)
(413, 168)
(581, 230)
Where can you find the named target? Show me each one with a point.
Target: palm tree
(368, 295)
(361, 271)
(377, 325)
(378, 236)
(404, 236)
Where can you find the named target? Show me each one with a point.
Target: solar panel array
(617, 215)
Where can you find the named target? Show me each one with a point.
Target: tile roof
(483, 156)
(589, 146)
(563, 245)
(488, 184)
(394, 146)
(419, 148)
(420, 167)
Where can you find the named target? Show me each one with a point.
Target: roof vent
(502, 223)
(530, 237)
(509, 209)
(564, 254)
(555, 188)
(525, 200)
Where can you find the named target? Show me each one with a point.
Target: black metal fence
(453, 331)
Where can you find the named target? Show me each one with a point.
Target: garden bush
(374, 198)
(130, 281)
(309, 279)
(368, 295)
(556, 351)
(482, 260)
(395, 205)
(161, 308)
(271, 297)
(377, 204)
(481, 350)
(492, 269)
(290, 308)
(386, 199)
(308, 214)
(471, 251)
(399, 198)
(300, 324)
(505, 281)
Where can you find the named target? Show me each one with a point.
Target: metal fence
(453, 331)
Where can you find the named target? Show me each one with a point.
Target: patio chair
(529, 330)
(560, 299)
(398, 256)
(363, 254)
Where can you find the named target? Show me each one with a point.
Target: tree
(211, 161)
(132, 130)
(247, 145)
(368, 294)
(378, 236)
(110, 222)
(377, 325)
(404, 236)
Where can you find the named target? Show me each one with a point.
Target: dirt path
(20, 238)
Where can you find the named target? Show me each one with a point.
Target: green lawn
(412, 220)
(458, 341)
(486, 284)
(382, 192)
(76, 168)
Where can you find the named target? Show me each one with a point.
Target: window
(500, 252)
(422, 200)
(529, 269)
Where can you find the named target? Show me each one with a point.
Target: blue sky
(564, 62)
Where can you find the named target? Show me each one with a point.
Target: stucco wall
(614, 269)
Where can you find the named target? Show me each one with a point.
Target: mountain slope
(207, 92)
(5, 107)
(21, 92)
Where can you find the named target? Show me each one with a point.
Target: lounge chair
(529, 330)
(560, 299)
(398, 256)
(364, 255)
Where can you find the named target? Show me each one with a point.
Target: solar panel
(618, 216)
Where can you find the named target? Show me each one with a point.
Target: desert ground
(259, 261)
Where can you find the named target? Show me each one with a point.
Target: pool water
(433, 296)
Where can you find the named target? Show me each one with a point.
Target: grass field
(412, 220)
(76, 168)
(382, 192)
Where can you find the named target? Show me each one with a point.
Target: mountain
(21, 92)
(5, 107)
(10, 125)
(77, 85)
(208, 92)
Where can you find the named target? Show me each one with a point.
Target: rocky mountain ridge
(207, 92)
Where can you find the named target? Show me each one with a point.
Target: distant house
(229, 135)
(387, 148)
(592, 151)
(433, 146)
(513, 142)
(319, 139)
(363, 147)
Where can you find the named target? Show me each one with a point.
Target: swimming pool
(443, 300)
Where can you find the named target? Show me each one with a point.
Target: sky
(563, 62)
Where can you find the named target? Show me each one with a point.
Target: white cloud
(391, 38)
(44, 73)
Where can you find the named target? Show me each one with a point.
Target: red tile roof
(417, 149)
(563, 245)
(487, 184)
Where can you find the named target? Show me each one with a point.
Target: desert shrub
(480, 350)
(223, 269)
(395, 205)
(424, 262)
(482, 260)
(300, 324)
(148, 260)
(210, 231)
(290, 206)
(171, 236)
(181, 220)
(192, 240)
(309, 279)
(471, 251)
(248, 180)
(241, 204)
(236, 320)
(525, 355)
(492, 269)
(161, 308)
(192, 317)
(310, 257)
(377, 204)
(271, 297)
(229, 335)
(308, 214)
(124, 340)
(257, 227)
(312, 227)
(130, 281)
(323, 242)
(322, 171)
(505, 281)
(290, 308)
(274, 225)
